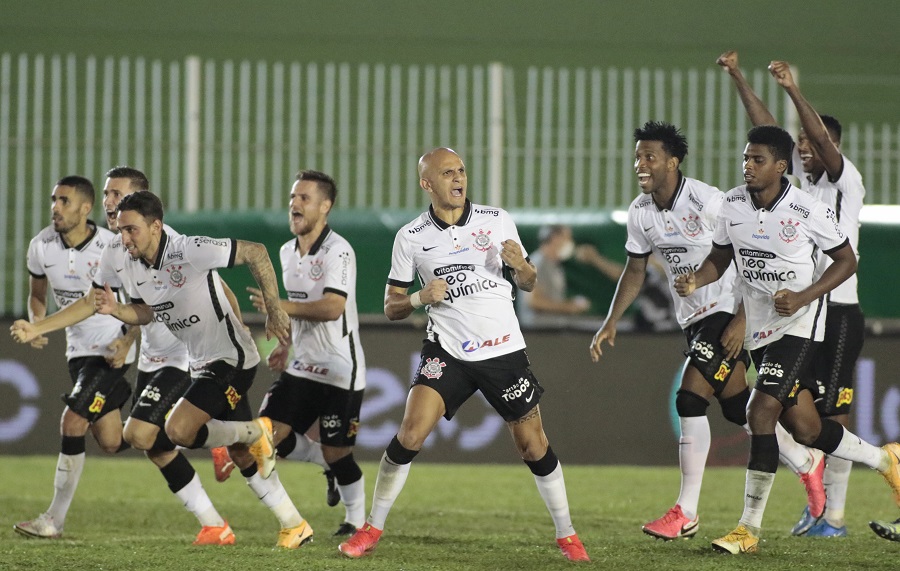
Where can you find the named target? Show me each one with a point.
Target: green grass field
(449, 517)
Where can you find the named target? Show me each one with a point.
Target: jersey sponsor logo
(200, 240)
(764, 334)
(433, 368)
(315, 270)
(692, 226)
(488, 211)
(736, 198)
(458, 249)
(176, 276)
(845, 396)
(470, 346)
(788, 231)
(345, 266)
(695, 201)
(482, 240)
(748, 253)
(453, 268)
(162, 306)
(98, 403)
(292, 295)
(756, 270)
(804, 211)
(520, 388)
(176, 324)
(644, 202)
(177, 255)
(420, 227)
(309, 368)
(462, 290)
(232, 396)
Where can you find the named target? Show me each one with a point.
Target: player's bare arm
(27, 331)
(788, 302)
(709, 271)
(255, 257)
(329, 308)
(525, 273)
(105, 303)
(398, 305)
(118, 349)
(756, 109)
(812, 124)
(277, 359)
(627, 290)
(733, 336)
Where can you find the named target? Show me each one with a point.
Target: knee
(73, 424)
(140, 437)
(241, 456)
(533, 447)
(689, 404)
(180, 434)
(333, 454)
(412, 435)
(805, 435)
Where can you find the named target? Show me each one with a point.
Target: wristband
(416, 300)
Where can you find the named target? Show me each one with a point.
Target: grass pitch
(448, 517)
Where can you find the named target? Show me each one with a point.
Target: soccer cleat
(263, 450)
(294, 537)
(825, 529)
(42, 526)
(738, 541)
(212, 535)
(815, 488)
(806, 522)
(886, 529)
(892, 474)
(332, 493)
(672, 525)
(361, 543)
(572, 548)
(222, 464)
(345, 528)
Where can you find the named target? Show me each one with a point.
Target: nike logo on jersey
(735, 223)
(49, 265)
(119, 270)
(424, 249)
(648, 229)
(142, 283)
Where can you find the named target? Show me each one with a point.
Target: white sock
(388, 485)
(855, 449)
(307, 450)
(65, 482)
(196, 501)
(693, 448)
(794, 455)
(273, 496)
(354, 498)
(226, 433)
(836, 480)
(552, 488)
(756, 494)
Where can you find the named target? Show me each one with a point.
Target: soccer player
(173, 279)
(162, 372)
(772, 229)
(66, 256)
(828, 175)
(327, 376)
(469, 261)
(675, 217)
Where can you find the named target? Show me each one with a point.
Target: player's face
(68, 208)
(445, 179)
(652, 164)
(139, 237)
(761, 170)
(115, 190)
(308, 207)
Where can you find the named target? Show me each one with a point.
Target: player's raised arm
(255, 257)
(756, 109)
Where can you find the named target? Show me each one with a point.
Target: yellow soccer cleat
(294, 537)
(738, 541)
(263, 450)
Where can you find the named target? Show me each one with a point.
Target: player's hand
(105, 300)
(256, 299)
(685, 284)
(433, 292)
(277, 359)
(781, 71)
(788, 302)
(606, 333)
(732, 339)
(728, 60)
(511, 254)
(118, 352)
(24, 332)
(278, 325)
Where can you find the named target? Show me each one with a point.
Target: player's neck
(152, 254)
(764, 198)
(307, 240)
(663, 196)
(77, 234)
(448, 215)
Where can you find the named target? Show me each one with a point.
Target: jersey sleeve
(35, 258)
(825, 230)
(340, 273)
(712, 208)
(106, 272)
(637, 245)
(206, 253)
(403, 271)
(850, 183)
(720, 234)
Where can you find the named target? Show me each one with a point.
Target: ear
(325, 206)
(86, 208)
(672, 164)
(782, 166)
(425, 184)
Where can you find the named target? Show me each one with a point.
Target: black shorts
(220, 390)
(706, 353)
(98, 388)
(299, 402)
(784, 368)
(506, 382)
(835, 362)
(157, 392)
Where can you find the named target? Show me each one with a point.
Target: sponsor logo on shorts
(97, 405)
(772, 370)
(232, 396)
(150, 393)
(723, 372)
(703, 351)
(470, 346)
(433, 368)
(354, 428)
(521, 387)
(329, 422)
(845, 396)
(794, 390)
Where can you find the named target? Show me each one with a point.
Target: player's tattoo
(257, 259)
(530, 415)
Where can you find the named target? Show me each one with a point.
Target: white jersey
(845, 196)
(475, 321)
(682, 236)
(184, 291)
(159, 348)
(776, 249)
(70, 272)
(325, 351)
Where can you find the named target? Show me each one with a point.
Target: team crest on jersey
(788, 230)
(692, 225)
(92, 268)
(315, 270)
(482, 240)
(176, 277)
(433, 368)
